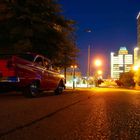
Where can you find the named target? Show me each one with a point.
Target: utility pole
(88, 65)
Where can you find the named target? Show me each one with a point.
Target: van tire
(32, 90)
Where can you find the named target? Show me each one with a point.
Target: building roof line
(138, 15)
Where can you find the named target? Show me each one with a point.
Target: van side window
(39, 61)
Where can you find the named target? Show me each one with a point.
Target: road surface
(81, 114)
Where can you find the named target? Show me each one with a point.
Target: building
(137, 62)
(120, 62)
(138, 30)
(136, 51)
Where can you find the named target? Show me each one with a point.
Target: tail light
(7, 68)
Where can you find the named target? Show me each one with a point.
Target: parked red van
(29, 73)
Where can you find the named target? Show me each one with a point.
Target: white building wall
(128, 59)
(112, 55)
(120, 63)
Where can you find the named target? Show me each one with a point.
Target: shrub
(126, 79)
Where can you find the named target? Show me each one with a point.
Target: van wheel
(59, 89)
(32, 90)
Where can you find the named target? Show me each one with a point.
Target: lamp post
(73, 67)
(88, 63)
(98, 73)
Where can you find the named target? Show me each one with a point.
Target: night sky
(112, 22)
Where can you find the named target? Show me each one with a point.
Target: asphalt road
(93, 114)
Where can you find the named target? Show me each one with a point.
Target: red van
(29, 73)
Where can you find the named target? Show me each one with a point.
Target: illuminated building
(138, 40)
(123, 50)
(138, 30)
(121, 62)
(136, 56)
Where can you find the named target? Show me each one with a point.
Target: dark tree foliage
(126, 79)
(37, 26)
(119, 83)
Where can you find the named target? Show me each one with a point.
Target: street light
(73, 67)
(98, 62)
(99, 72)
(135, 68)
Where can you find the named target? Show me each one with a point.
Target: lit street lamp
(98, 62)
(99, 72)
(73, 67)
(135, 68)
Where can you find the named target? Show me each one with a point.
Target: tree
(126, 79)
(37, 26)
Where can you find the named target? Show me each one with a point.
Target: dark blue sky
(113, 24)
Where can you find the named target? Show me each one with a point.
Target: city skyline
(112, 25)
(121, 62)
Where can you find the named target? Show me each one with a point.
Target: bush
(119, 83)
(126, 80)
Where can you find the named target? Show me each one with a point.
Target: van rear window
(28, 57)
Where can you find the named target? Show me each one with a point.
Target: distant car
(29, 73)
